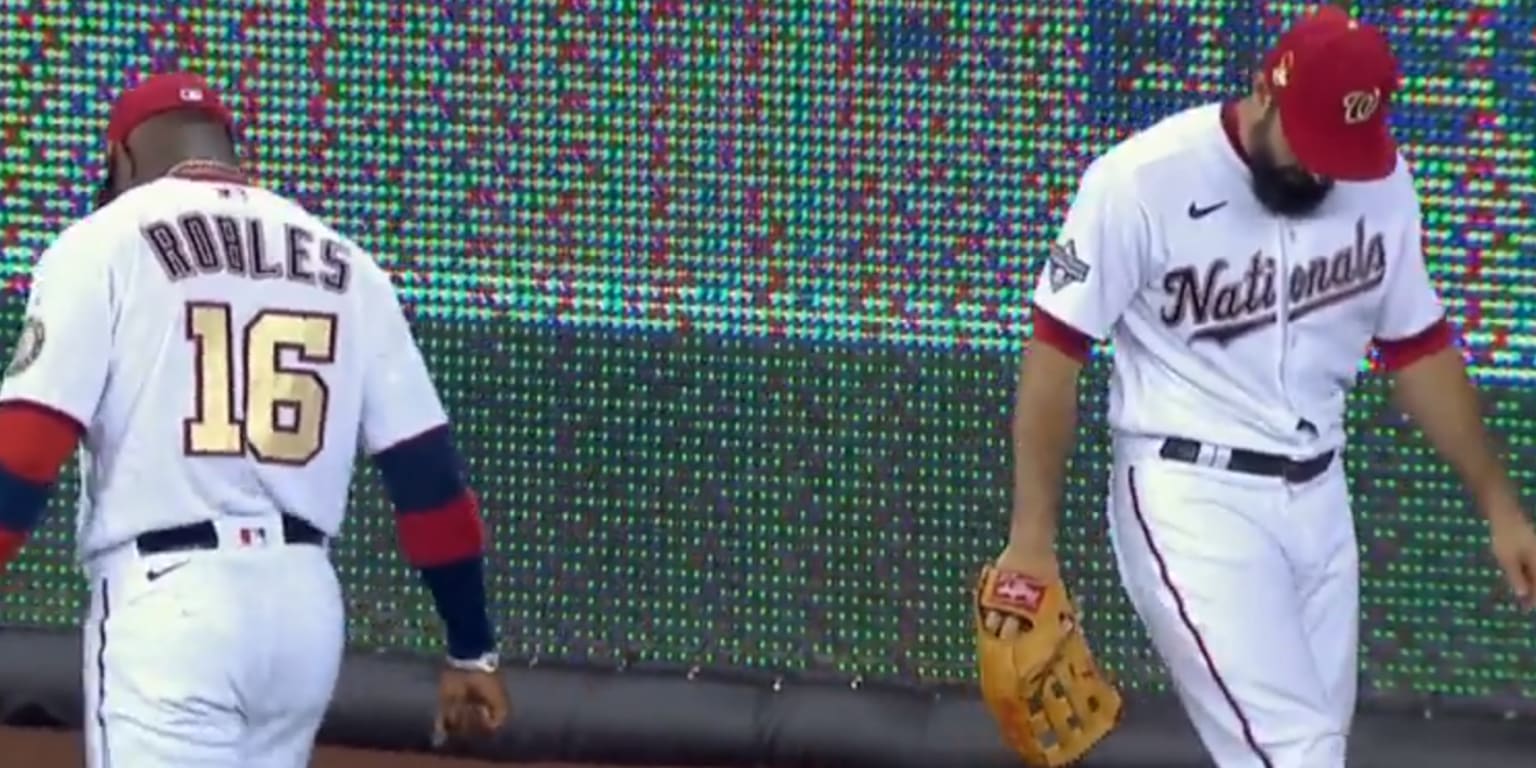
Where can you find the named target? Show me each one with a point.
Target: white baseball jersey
(225, 351)
(1231, 325)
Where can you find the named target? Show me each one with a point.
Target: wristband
(485, 662)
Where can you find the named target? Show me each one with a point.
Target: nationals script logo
(1223, 304)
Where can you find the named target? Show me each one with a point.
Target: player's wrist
(1032, 533)
(1501, 506)
(1039, 562)
(1492, 490)
(487, 662)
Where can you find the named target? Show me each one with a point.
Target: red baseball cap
(163, 93)
(1332, 78)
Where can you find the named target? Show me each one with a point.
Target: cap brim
(1367, 154)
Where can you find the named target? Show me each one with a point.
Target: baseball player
(220, 352)
(1242, 257)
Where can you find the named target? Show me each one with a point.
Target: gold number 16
(284, 406)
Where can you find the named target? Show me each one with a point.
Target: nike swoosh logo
(155, 575)
(1196, 212)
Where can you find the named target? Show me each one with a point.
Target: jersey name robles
(198, 243)
(244, 341)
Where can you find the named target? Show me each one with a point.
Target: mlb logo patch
(253, 537)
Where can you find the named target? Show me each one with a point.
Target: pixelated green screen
(727, 297)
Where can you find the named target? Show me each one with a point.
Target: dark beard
(1286, 190)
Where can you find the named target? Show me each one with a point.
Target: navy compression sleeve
(35, 441)
(437, 518)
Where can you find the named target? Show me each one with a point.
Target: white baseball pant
(218, 658)
(1249, 589)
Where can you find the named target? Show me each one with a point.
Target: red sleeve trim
(1055, 332)
(36, 440)
(10, 546)
(443, 535)
(1397, 354)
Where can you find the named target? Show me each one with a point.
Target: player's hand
(1035, 559)
(1514, 547)
(470, 705)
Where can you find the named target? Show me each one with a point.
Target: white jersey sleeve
(399, 399)
(1102, 256)
(64, 351)
(1410, 303)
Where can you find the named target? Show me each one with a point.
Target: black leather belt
(1251, 462)
(205, 536)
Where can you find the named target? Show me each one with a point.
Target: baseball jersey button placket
(1286, 232)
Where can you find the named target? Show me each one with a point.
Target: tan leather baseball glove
(1040, 680)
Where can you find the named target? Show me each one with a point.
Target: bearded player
(220, 352)
(1241, 257)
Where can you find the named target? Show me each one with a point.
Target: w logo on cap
(1359, 106)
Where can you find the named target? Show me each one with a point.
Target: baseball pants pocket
(300, 662)
(156, 696)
